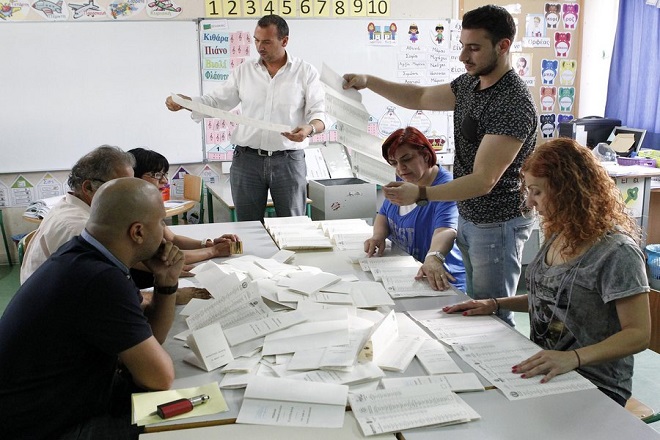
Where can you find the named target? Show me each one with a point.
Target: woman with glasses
(588, 290)
(153, 167)
(425, 230)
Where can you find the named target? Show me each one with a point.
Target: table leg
(209, 204)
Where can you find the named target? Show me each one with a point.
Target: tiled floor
(647, 363)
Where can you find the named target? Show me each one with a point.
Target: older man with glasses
(67, 219)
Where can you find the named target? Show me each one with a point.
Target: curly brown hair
(582, 202)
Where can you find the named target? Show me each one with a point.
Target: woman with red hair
(587, 301)
(425, 230)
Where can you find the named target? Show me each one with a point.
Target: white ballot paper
(398, 409)
(384, 265)
(307, 335)
(459, 329)
(314, 283)
(435, 359)
(458, 383)
(493, 360)
(285, 402)
(406, 286)
(386, 331)
(235, 303)
(209, 346)
(212, 112)
(361, 373)
(256, 329)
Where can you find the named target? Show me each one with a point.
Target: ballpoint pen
(180, 406)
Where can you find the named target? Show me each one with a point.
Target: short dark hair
(413, 137)
(99, 166)
(148, 161)
(277, 21)
(495, 20)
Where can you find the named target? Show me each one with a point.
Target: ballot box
(342, 198)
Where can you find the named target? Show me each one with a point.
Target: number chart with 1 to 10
(297, 8)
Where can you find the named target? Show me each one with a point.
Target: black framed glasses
(158, 175)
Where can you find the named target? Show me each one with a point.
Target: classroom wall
(592, 91)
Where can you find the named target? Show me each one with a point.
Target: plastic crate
(646, 162)
(653, 262)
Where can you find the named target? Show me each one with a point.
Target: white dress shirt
(293, 97)
(64, 221)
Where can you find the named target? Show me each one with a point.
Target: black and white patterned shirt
(505, 108)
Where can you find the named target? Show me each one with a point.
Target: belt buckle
(264, 153)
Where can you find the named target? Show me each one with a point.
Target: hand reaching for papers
(435, 274)
(550, 363)
(374, 246)
(401, 193)
(173, 106)
(473, 307)
(185, 294)
(355, 81)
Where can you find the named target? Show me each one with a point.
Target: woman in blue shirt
(427, 231)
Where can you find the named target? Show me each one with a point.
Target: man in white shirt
(279, 89)
(67, 219)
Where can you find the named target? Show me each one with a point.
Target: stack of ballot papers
(296, 233)
(411, 406)
(492, 347)
(299, 233)
(40, 208)
(283, 402)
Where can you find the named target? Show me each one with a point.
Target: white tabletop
(577, 415)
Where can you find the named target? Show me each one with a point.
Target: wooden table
(174, 212)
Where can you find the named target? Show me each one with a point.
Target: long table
(577, 415)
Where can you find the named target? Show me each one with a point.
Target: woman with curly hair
(587, 301)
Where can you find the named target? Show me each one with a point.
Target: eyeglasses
(158, 176)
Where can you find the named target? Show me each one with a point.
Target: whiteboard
(70, 87)
(344, 46)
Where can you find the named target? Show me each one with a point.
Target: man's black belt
(261, 152)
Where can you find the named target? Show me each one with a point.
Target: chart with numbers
(297, 8)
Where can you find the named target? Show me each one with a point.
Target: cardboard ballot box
(342, 198)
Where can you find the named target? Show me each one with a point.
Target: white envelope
(210, 347)
(306, 336)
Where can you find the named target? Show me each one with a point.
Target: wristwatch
(313, 131)
(438, 255)
(422, 200)
(165, 290)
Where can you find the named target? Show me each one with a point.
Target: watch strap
(165, 290)
(422, 193)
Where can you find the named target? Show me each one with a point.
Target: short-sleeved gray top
(572, 305)
(505, 108)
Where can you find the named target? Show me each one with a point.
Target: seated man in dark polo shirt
(78, 317)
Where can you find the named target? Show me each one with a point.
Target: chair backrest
(23, 246)
(193, 189)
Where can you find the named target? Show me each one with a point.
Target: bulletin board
(69, 87)
(546, 54)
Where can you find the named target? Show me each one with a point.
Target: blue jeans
(252, 175)
(492, 255)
